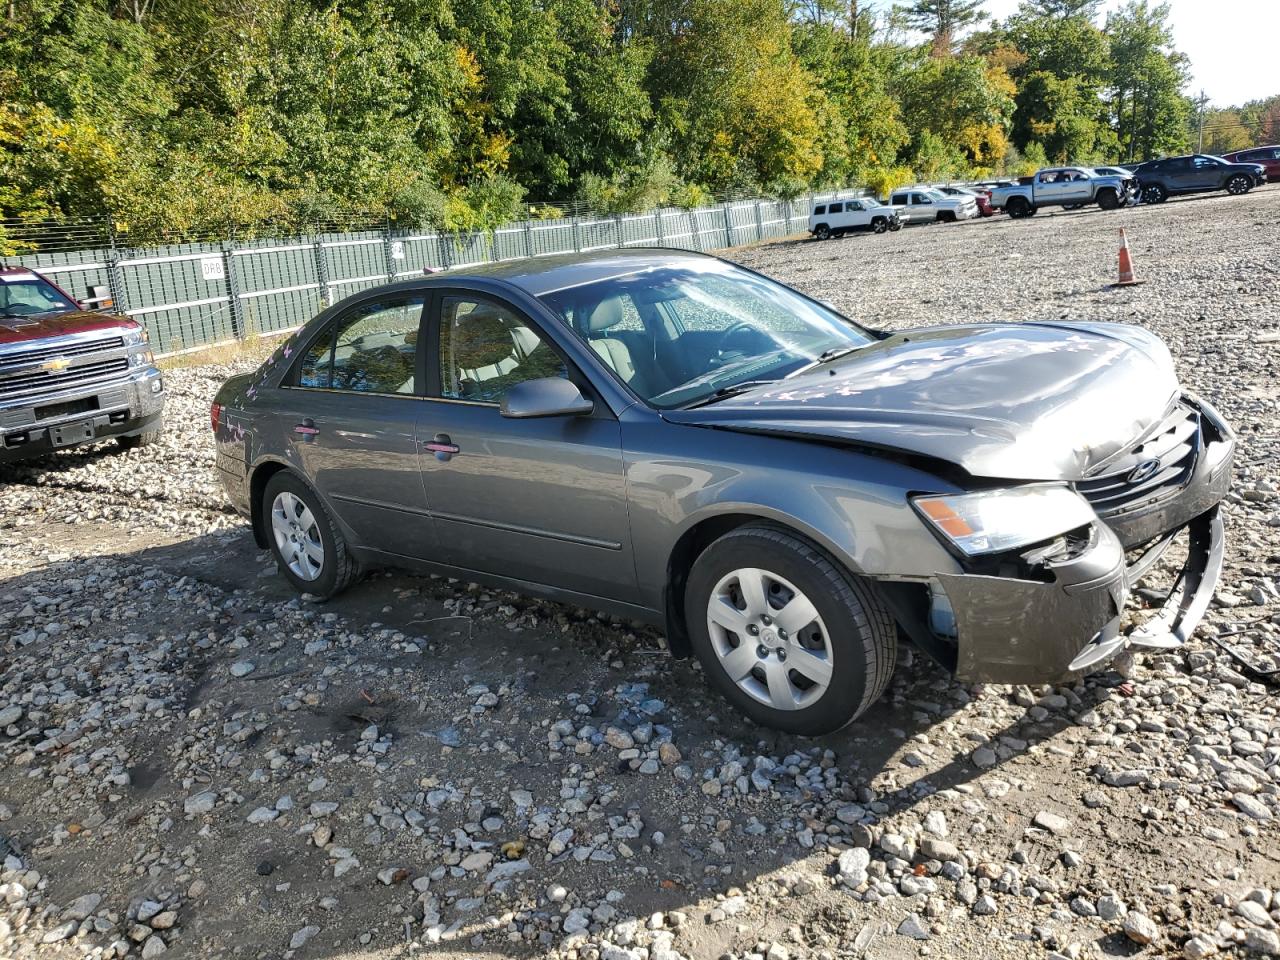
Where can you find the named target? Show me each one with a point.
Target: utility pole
(1200, 135)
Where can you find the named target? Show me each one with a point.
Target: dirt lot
(194, 761)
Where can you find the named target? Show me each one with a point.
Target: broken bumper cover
(1019, 631)
(1010, 630)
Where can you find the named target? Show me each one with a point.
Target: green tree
(1146, 78)
(943, 20)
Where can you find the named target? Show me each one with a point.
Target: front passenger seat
(605, 315)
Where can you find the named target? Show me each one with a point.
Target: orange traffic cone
(1127, 279)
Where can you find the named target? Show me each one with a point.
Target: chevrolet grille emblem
(56, 364)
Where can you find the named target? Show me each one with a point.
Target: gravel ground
(194, 761)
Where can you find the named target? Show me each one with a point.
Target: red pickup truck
(70, 375)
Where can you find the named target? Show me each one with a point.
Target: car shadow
(407, 655)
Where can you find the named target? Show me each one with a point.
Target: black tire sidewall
(326, 584)
(1236, 179)
(838, 706)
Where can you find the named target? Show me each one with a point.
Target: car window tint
(899, 200)
(315, 367)
(855, 205)
(836, 208)
(375, 348)
(485, 349)
(820, 209)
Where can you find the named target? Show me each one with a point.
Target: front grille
(46, 381)
(26, 358)
(1169, 456)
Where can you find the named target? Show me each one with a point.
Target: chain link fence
(198, 293)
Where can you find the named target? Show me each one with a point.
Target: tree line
(176, 116)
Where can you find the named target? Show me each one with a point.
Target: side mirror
(545, 397)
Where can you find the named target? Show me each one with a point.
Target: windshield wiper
(734, 388)
(826, 356)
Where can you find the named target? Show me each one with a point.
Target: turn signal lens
(996, 520)
(215, 416)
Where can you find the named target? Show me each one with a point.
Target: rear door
(350, 409)
(539, 500)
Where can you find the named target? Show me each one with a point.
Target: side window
(899, 200)
(855, 205)
(820, 209)
(836, 208)
(920, 198)
(486, 348)
(1204, 163)
(371, 349)
(315, 368)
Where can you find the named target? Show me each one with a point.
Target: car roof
(540, 275)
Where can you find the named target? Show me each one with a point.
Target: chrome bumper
(118, 407)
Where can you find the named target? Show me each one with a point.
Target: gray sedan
(673, 438)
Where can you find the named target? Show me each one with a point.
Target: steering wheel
(725, 350)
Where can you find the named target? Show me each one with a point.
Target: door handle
(442, 446)
(306, 429)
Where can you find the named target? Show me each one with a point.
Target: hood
(1033, 401)
(44, 326)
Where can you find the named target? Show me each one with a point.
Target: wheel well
(819, 226)
(688, 548)
(257, 484)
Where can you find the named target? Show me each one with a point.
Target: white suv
(926, 205)
(834, 218)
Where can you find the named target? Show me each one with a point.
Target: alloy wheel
(769, 639)
(1238, 185)
(297, 536)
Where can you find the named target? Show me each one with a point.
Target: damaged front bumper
(1066, 621)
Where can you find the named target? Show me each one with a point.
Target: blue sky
(1231, 43)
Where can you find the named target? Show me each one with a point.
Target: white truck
(1063, 187)
(834, 218)
(927, 205)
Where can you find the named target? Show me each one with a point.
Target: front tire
(1239, 185)
(879, 225)
(310, 550)
(148, 438)
(1108, 200)
(784, 634)
(1154, 193)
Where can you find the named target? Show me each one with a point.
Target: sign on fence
(211, 268)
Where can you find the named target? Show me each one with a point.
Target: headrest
(480, 339)
(605, 314)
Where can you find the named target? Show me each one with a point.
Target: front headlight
(996, 520)
(137, 335)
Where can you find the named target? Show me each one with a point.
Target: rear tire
(1239, 185)
(763, 582)
(822, 232)
(148, 438)
(1018, 207)
(1108, 200)
(310, 550)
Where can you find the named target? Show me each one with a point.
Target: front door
(350, 408)
(539, 500)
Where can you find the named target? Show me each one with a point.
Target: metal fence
(190, 295)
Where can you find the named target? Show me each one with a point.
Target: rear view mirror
(545, 397)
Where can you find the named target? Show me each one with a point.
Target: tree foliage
(196, 116)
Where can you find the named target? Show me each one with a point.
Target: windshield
(936, 195)
(26, 295)
(677, 336)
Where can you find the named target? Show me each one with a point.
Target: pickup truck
(835, 218)
(927, 205)
(70, 375)
(1063, 187)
